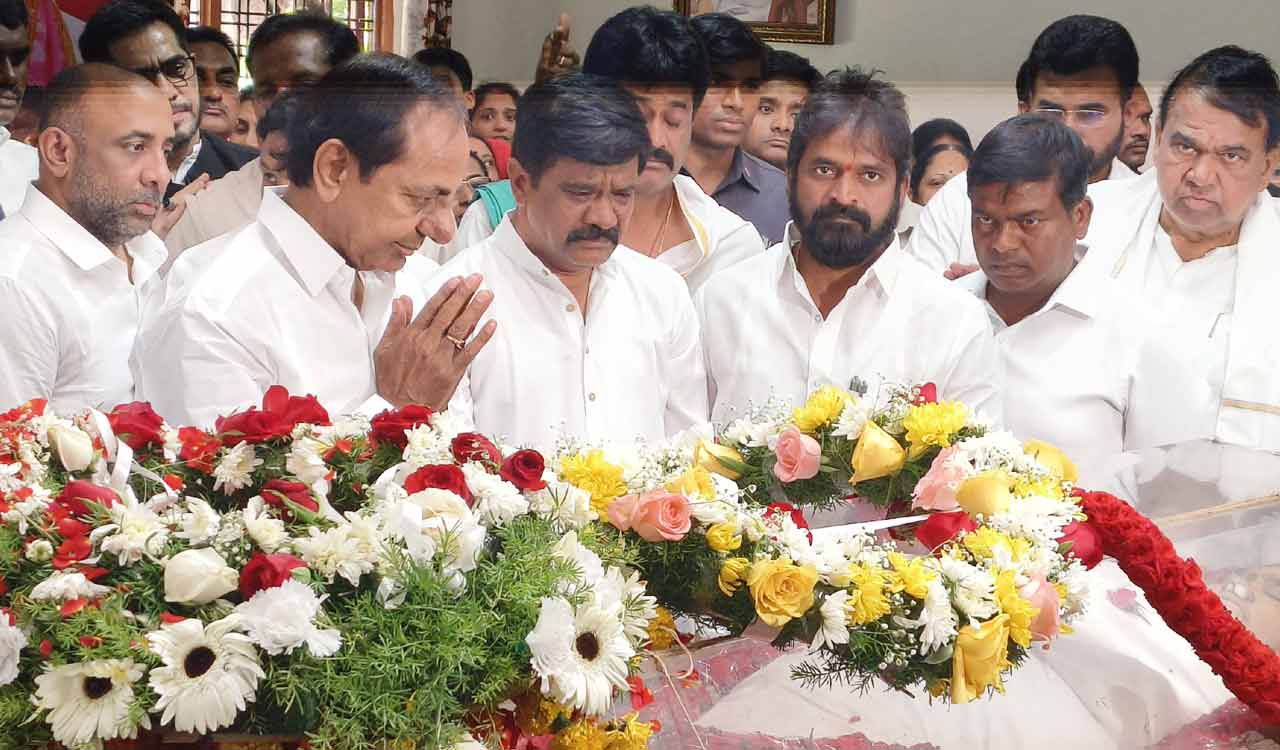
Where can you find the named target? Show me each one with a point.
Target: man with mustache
(658, 57)
(218, 73)
(1137, 129)
(1196, 235)
(1081, 69)
(148, 38)
(595, 341)
(750, 187)
(840, 299)
(19, 163)
(78, 256)
(788, 79)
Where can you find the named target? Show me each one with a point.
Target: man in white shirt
(1196, 236)
(77, 257)
(596, 341)
(307, 295)
(1085, 366)
(840, 299)
(19, 163)
(1081, 69)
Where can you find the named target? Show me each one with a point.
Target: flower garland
(1176, 590)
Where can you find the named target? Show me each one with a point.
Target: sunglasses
(176, 69)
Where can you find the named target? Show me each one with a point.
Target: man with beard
(1082, 70)
(19, 163)
(1196, 235)
(596, 341)
(77, 258)
(148, 38)
(658, 58)
(839, 299)
(1137, 129)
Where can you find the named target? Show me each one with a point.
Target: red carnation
(797, 515)
(199, 449)
(440, 477)
(472, 446)
(941, 528)
(391, 426)
(1085, 545)
(33, 408)
(928, 394)
(276, 492)
(524, 469)
(267, 572)
(71, 551)
(279, 415)
(137, 424)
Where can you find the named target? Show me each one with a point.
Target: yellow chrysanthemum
(632, 734)
(592, 473)
(867, 600)
(934, 424)
(535, 714)
(1021, 613)
(822, 408)
(694, 483)
(724, 537)
(662, 630)
(983, 541)
(580, 735)
(1048, 486)
(909, 575)
(731, 574)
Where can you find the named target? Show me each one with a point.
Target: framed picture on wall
(798, 21)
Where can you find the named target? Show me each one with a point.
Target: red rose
(199, 449)
(797, 515)
(441, 477)
(267, 572)
(524, 469)
(391, 426)
(71, 551)
(941, 528)
(77, 493)
(472, 446)
(279, 415)
(295, 410)
(1085, 545)
(928, 394)
(276, 492)
(137, 425)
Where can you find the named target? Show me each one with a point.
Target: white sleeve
(975, 377)
(939, 237)
(700, 308)
(687, 386)
(29, 356)
(473, 229)
(735, 246)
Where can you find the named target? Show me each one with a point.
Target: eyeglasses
(176, 69)
(1085, 118)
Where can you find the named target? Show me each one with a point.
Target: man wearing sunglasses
(1082, 70)
(148, 38)
(19, 163)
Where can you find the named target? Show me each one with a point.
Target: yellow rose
(822, 408)
(910, 575)
(980, 655)
(1052, 459)
(724, 537)
(731, 572)
(781, 590)
(876, 454)
(985, 494)
(934, 424)
(719, 459)
(694, 483)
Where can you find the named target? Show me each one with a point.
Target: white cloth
(1222, 308)
(180, 174)
(764, 336)
(632, 368)
(943, 234)
(19, 167)
(473, 228)
(71, 312)
(229, 203)
(270, 304)
(1092, 373)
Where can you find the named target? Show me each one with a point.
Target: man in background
(1137, 130)
(218, 73)
(451, 68)
(788, 79)
(19, 163)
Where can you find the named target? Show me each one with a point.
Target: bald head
(67, 94)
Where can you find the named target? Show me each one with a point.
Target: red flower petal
(46, 648)
(69, 608)
(169, 619)
(90, 641)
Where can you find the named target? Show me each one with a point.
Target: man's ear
(1081, 215)
(521, 180)
(469, 99)
(58, 151)
(333, 165)
(1272, 159)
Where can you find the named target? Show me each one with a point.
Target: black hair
(1033, 148)
(447, 58)
(495, 87)
(1074, 44)
(278, 115)
(852, 98)
(13, 14)
(920, 164)
(363, 103)
(927, 134)
(247, 93)
(1235, 80)
(728, 39)
(340, 41)
(64, 95)
(121, 18)
(781, 65)
(581, 117)
(644, 45)
(210, 34)
(1022, 83)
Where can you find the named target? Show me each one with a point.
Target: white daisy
(590, 568)
(937, 619)
(497, 501)
(306, 460)
(852, 419)
(235, 469)
(974, 587)
(89, 701)
(135, 532)
(335, 552)
(835, 621)
(65, 585)
(39, 550)
(12, 641)
(638, 607)
(581, 656)
(281, 619)
(427, 445)
(210, 674)
(27, 510)
(751, 434)
(266, 532)
(200, 523)
(568, 505)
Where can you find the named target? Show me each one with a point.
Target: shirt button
(591, 396)
(817, 318)
(570, 307)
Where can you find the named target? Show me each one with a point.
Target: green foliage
(683, 576)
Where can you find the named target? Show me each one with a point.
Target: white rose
(12, 641)
(72, 445)
(198, 576)
(40, 550)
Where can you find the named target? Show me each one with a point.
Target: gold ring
(457, 343)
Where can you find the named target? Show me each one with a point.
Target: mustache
(833, 211)
(663, 156)
(592, 232)
(180, 105)
(153, 198)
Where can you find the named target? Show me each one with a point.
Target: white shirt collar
(5, 135)
(313, 259)
(512, 245)
(180, 174)
(1077, 292)
(881, 276)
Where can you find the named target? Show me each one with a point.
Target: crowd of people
(681, 225)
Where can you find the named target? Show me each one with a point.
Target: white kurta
(19, 167)
(944, 232)
(270, 304)
(71, 312)
(227, 204)
(632, 368)
(1093, 373)
(764, 336)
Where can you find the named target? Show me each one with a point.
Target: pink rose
(936, 490)
(656, 515)
(798, 456)
(1043, 596)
